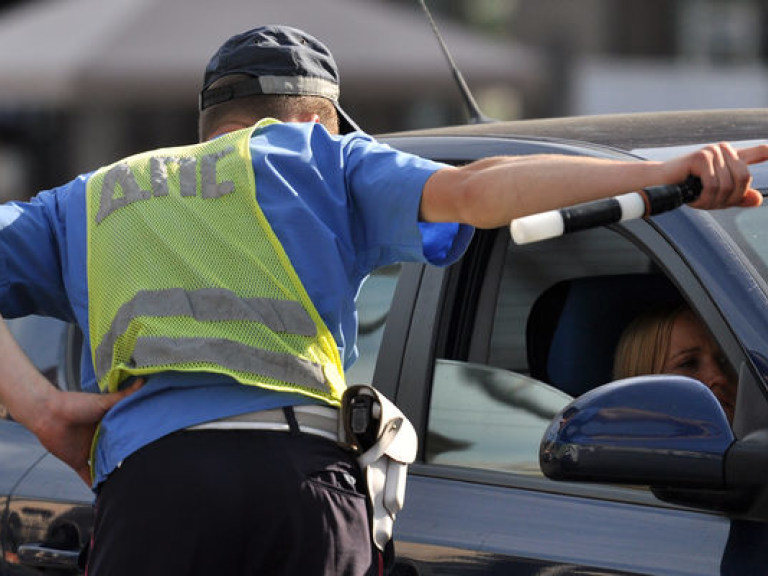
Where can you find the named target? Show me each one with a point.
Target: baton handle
(646, 202)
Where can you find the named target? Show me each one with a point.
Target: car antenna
(476, 116)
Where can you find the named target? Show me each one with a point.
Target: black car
(494, 357)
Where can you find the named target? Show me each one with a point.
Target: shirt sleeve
(31, 278)
(386, 187)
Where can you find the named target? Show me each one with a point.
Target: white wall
(604, 86)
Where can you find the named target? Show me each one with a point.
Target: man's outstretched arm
(64, 422)
(492, 192)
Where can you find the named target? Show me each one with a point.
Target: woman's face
(693, 352)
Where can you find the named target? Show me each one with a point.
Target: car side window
(373, 303)
(531, 270)
(492, 414)
(485, 417)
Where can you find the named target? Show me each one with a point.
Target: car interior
(574, 325)
(560, 308)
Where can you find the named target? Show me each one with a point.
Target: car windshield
(748, 229)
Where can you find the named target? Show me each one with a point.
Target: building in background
(84, 82)
(605, 56)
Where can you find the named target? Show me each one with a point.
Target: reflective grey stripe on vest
(233, 355)
(208, 305)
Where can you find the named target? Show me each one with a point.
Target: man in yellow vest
(215, 287)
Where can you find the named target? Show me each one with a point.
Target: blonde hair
(643, 344)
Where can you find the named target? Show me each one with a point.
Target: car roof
(623, 131)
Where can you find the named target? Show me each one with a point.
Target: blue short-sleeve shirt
(341, 206)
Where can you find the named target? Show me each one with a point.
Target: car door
(455, 356)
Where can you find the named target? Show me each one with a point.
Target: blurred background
(85, 82)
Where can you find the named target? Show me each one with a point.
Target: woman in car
(674, 340)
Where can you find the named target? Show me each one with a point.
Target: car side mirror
(665, 431)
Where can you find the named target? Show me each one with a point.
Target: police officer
(215, 286)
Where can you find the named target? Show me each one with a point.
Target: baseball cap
(279, 60)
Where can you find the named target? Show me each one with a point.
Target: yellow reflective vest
(185, 273)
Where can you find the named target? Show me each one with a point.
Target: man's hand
(64, 422)
(724, 173)
(68, 431)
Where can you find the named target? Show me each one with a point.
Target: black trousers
(232, 502)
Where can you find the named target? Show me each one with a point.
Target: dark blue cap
(279, 60)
